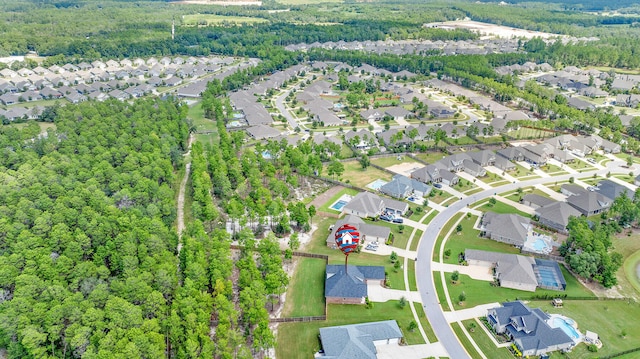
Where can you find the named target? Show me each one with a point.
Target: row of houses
(401, 47)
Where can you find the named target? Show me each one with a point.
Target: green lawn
(440, 196)
(464, 185)
(515, 196)
(430, 157)
(431, 335)
(430, 216)
(552, 169)
(482, 292)
(416, 240)
(465, 341)
(498, 183)
(442, 299)
(626, 178)
(441, 237)
(305, 294)
(522, 172)
(629, 247)
(361, 177)
(300, 340)
(580, 165)
(607, 318)
(330, 202)
(500, 207)
(469, 239)
(484, 342)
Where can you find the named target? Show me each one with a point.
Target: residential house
(427, 174)
(369, 233)
(361, 140)
(504, 164)
(261, 132)
(568, 189)
(528, 329)
(590, 203)
(579, 104)
(556, 215)
(511, 153)
(9, 98)
(394, 137)
(536, 201)
(507, 228)
(402, 187)
(398, 113)
(358, 340)
(372, 114)
(367, 204)
(350, 286)
(613, 190)
(483, 158)
(510, 270)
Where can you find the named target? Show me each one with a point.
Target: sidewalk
(554, 195)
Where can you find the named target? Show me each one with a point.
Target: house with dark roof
(528, 329)
(427, 174)
(483, 158)
(556, 215)
(613, 190)
(402, 187)
(590, 203)
(261, 132)
(507, 228)
(350, 286)
(368, 232)
(511, 153)
(367, 204)
(372, 114)
(569, 189)
(358, 341)
(398, 113)
(535, 200)
(504, 164)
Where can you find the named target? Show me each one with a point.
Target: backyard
(359, 177)
(302, 338)
(305, 295)
(482, 292)
(502, 208)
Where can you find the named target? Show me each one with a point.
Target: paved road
(283, 110)
(424, 277)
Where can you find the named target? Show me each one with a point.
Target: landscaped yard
(500, 207)
(553, 170)
(442, 299)
(443, 233)
(305, 294)
(431, 335)
(469, 239)
(607, 318)
(332, 200)
(580, 165)
(482, 292)
(440, 196)
(515, 196)
(302, 338)
(484, 342)
(430, 157)
(626, 178)
(361, 177)
(465, 341)
(629, 247)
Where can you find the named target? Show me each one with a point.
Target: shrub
(592, 348)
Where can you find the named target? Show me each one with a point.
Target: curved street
(424, 275)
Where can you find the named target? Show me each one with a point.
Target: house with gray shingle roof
(368, 232)
(613, 190)
(366, 204)
(507, 228)
(590, 203)
(261, 132)
(510, 270)
(528, 328)
(536, 201)
(483, 158)
(398, 113)
(350, 287)
(556, 215)
(402, 187)
(427, 174)
(358, 341)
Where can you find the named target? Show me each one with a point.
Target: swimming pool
(547, 277)
(539, 245)
(375, 185)
(338, 205)
(562, 323)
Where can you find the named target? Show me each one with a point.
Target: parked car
(437, 185)
(591, 160)
(398, 220)
(371, 248)
(386, 218)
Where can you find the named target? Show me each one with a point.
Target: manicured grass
(522, 172)
(305, 294)
(626, 178)
(465, 341)
(440, 196)
(428, 330)
(500, 207)
(430, 157)
(411, 275)
(211, 19)
(441, 237)
(470, 238)
(464, 140)
(416, 240)
(361, 177)
(553, 169)
(481, 292)
(499, 183)
(346, 151)
(393, 160)
(629, 247)
(464, 185)
(607, 318)
(416, 216)
(330, 202)
(431, 215)
(300, 340)
(514, 196)
(579, 165)
(484, 342)
(442, 298)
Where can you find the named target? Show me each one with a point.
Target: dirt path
(321, 199)
(180, 204)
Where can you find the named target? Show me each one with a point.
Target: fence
(621, 353)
